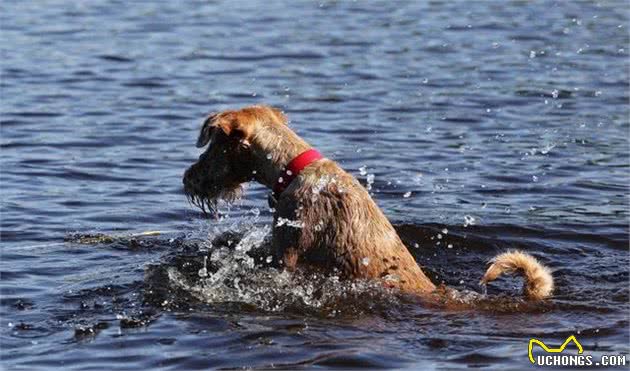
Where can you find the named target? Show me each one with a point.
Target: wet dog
(324, 218)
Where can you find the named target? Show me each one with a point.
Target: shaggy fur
(538, 280)
(324, 219)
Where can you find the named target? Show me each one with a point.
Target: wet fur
(336, 211)
(325, 219)
(538, 280)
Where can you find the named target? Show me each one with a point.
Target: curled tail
(538, 280)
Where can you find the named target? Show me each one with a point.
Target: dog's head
(229, 160)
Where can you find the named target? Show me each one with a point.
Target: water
(504, 123)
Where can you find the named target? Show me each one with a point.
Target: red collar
(293, 170)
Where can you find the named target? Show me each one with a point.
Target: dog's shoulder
(328, 175)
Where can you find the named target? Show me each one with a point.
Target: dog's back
(342, 228)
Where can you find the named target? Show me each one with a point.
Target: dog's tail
(538, 280)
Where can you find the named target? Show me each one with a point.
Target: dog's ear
(228, 122)
(206, 131)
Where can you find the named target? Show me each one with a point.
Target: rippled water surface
(486, 126)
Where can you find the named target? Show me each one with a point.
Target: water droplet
(365, 261)
(203, 272)
(468, 220)
(370, 181)
(547, 148)
(484, 289)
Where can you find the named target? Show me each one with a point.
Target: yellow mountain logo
(560, 349)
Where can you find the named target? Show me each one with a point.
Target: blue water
(505, 123)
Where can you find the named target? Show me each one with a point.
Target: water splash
(237, 267)
(469, 220)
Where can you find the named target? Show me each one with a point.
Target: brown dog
(324, 218)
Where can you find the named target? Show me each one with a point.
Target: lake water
(485, 125)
